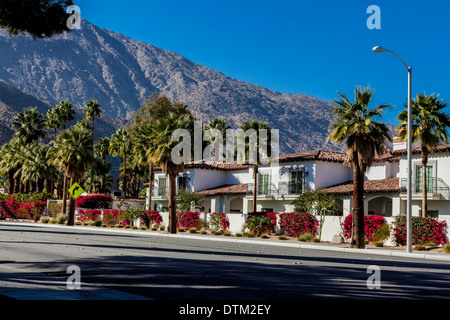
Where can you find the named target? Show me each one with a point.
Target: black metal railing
(434, 186)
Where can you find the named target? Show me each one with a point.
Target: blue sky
(315, 47)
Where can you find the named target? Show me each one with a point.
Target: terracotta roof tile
(370, 186)
(226, 189)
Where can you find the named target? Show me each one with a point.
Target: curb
(279, 243)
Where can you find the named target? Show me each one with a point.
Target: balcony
(286, 188)
(437, 189)
(265, 191)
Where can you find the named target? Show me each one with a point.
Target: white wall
(330, 173)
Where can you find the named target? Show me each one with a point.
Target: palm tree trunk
(71, 216)
(172, 204)
(11, 181)
(64, 197)
(124, 175)
(358, 207)
(424, 181)
(150, 186)
(255, 186)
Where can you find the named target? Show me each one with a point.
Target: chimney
(398, 144)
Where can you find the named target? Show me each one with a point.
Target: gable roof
(226, 189)
(370, 186)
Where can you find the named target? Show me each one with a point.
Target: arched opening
(236, 205)
(381, 206)
(206, 205)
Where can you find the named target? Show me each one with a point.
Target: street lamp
(409, 153)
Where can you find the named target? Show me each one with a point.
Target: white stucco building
(228, 188)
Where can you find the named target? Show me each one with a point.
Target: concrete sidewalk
(393, 252)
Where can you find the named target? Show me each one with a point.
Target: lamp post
(409, 153)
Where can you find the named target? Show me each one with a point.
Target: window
(419, 178)
(296, 183)
(264, 183)
(431, 213)
(162, 186)
(182, 183)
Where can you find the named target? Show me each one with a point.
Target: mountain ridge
(119, 72)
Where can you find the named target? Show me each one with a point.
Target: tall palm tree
(93, 111)
(221, 125)
(363, 138)
(142, 137)
(53, 121)
(72, 151)
(120, 145)
(35, 168)
(101, 150)
(160, 151)
(29, 126)
(256, 127)
(429, 127)
(66, 113)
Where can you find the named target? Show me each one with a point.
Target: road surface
(34, 259)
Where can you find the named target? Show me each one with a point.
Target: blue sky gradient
(310, 47)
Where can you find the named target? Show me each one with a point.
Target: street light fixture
(409, 152)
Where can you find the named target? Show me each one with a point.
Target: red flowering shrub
(88, 215)
(113, 217)
(423, 230)
(218, 221)
(295, 224)
(187, 219)
(149, 217)
(371, 223)
(20, 206)
(94, 201)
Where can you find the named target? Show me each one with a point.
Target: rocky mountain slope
(119, 72)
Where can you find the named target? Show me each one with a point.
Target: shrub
(219, 221)
(61, 219)
(88, 215)
(187, 219)
(423, 230)
(371, 223)
(150, 217)
(382, 233)
(110, 217)
(378, 243)
(45, 220)
(307, 236)
(447, 248)
(259, 224)
(282, 237)
(24, 206)
(296, 223)
(94, 201)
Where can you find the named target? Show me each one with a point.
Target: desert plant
(258, 225)
(379, 243)
(45, 220)
(282, 237)
(447, 248)
(307, 236)
(382, 233)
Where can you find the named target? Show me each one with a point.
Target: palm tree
(429, 127)
(66, 113)
(253, 129)
(35, 168)
(120, 144)
(72, 151)
(160, 151)
(363, 138)
(53, 121)
(221, 125)
(29, 125)
(92, 111)
(101, 150)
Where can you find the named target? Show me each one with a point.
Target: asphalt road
(34, 261)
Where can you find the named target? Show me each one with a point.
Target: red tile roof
(370, 186)
(226, 189)
(442, 147)
(314, 155)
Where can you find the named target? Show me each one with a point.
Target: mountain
(119, 72)
(13, 101)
